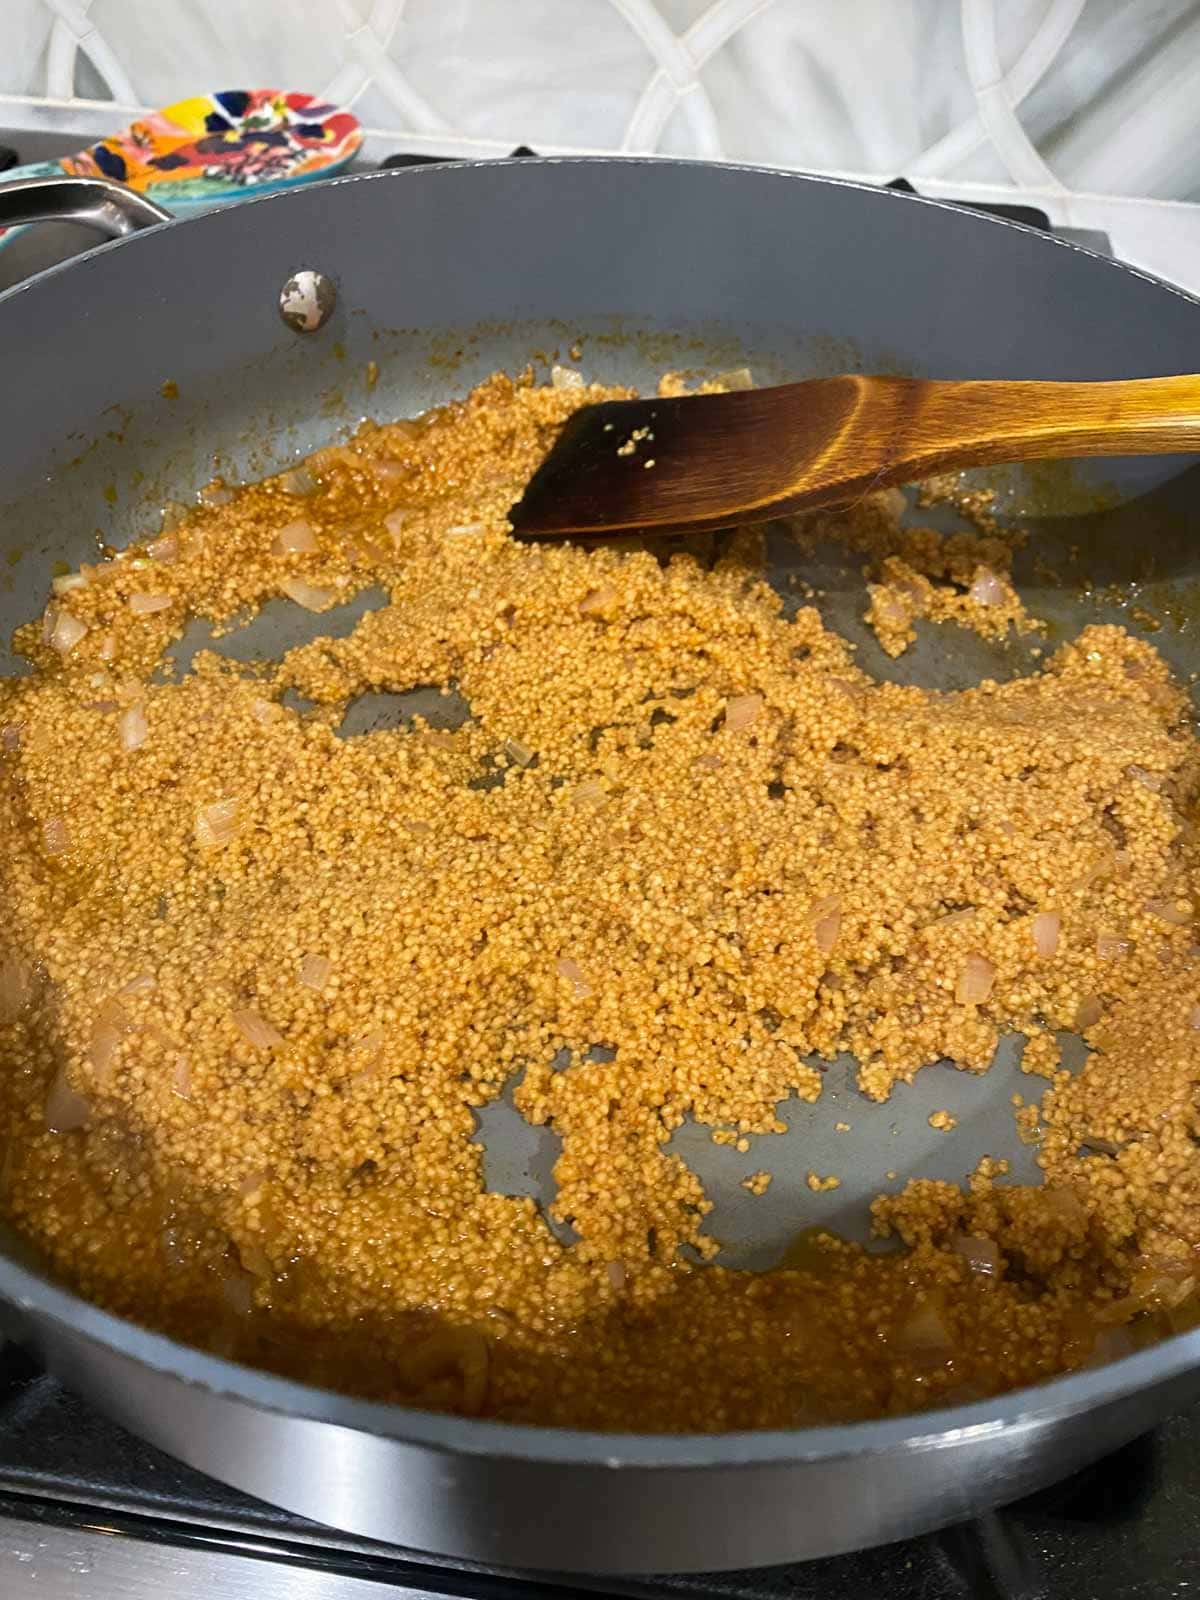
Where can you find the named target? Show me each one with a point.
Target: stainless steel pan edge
(585, 1502)
(668, 244)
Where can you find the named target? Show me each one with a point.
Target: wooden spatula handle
(917, 426)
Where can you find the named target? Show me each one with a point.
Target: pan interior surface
(871, 1147)
(1119, 532)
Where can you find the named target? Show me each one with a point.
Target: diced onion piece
(114, 1013)
(736, 378)
(520, 754)
(145, 605)
(825, 919)
(987, 589)
(406, 429)
(215, 493)
(1162, 1283)
(108, 646)
(465, 530)
(49, 618)
(975, 981)
(981, 1254)
(181, 1078)
(132, 727)
(294, 538)
(889, 608)
(565, 378)
(394, 525)
(255, 1259)
(66, 632)
(165, 549)
(68, 582)
(388, 472)
(10, 737)
(1110, 1344)
(65, 1109)
(174, 515)
(309, 595)
(264, 711)
(1111, 947)
(1061, 1197)
(336, 455)
(298, 481)
(315, 971)
(954, 919)
(54, 836)
(110, 1027)
(16, 987)
(1170, 911)
(237, 1291)
(924, 1334)
(1088, 1012)
(1046, 927)
(596, 601)
(1148, 780)
(256, 1030)
(253, 1182)
(574, 975)
(1100, 869)
(617, 1274)
(217, 824)
(741, 710)
(591, 792)
(142, 984)
(1194, 1018)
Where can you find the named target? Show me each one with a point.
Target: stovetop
(85, 1508)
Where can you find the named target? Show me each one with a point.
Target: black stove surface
(1128, 1527)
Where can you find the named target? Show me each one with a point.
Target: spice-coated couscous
(257, 979)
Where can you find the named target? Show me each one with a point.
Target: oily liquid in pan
(264, 984)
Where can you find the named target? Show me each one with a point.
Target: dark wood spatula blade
(709, 461)
(699, 461)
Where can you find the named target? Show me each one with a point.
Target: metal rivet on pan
(306, 300)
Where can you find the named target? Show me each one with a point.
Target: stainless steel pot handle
(99, 203)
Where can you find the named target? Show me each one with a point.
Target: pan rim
(1026, 1408)
(297, 195)
(1019, 1410)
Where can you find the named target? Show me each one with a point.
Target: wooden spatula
(709, 461)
